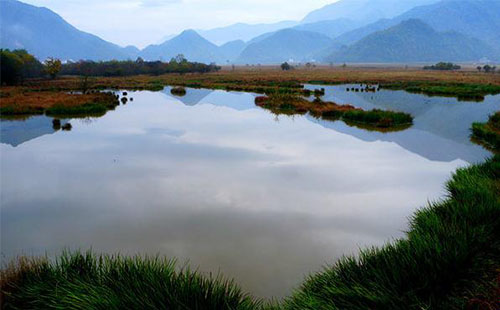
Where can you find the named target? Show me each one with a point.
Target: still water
(213, 180)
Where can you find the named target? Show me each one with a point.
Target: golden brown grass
(272, 76)
(22, 100)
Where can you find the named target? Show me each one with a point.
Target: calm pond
(213, 180)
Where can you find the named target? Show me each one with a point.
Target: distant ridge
(45, 34)
(414, 41)
(285, 45)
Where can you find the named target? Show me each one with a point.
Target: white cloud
(142, 22)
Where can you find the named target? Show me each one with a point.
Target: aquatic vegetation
(66, 127)
(89, 281)
(178, 91)
(461, 91)
(488, 134)
(449, 259)
(293, 104)
(100, 104)
(21, 102)
(56, 124)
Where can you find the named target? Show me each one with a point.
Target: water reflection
(220, 183)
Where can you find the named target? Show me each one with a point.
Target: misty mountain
(285, 45)
(476, 18)
(45, 34)
(242, 31)
(414, 41)
(330, 28)
(365, 11)
(189, 43)
(231, 50)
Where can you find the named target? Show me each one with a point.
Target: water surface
(212, 179)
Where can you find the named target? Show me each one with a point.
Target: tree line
(19, 65)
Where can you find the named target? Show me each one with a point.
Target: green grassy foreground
(450, 259)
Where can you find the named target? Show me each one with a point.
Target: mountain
(45, 34)
(189, 43)
(231, 50)
(363, 10)
(330, 28)
(285, 45)
(476, 18)
(242, 31)
(413, 41)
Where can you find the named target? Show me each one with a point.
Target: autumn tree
(53, 67)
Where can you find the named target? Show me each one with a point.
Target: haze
(142, 22)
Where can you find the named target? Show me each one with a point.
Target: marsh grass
(449, 259)
(289, 104)
(488, 133)
(178, 91)
(57, 104)
(87, 281)
(462, 91)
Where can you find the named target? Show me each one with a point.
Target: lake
(223, 185)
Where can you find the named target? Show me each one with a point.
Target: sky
(143, 22)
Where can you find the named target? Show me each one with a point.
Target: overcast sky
(141, 22)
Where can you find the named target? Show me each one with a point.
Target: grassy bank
(88, 281)
(450, 259)
(488, 134)
(18, 102)
(375, 119)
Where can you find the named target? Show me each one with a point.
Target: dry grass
(274, 76)
(12, 274)
(21, 100)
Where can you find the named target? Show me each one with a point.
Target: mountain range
(45, 34)
(344, 31)
(413, 41)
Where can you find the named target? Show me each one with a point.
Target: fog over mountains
(357, 31)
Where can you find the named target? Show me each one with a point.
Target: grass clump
(178, 91)
(280, 103)
(88, 281)
(462, 91)
(100, 104)
(449, 260)
(488, 133)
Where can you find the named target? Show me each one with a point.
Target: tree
(285, 66)
(487, 68)
(479, 68)
(53, 67)
(18, 65)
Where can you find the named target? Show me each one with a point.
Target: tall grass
(450, 257)
(489, 133)
(87, 281)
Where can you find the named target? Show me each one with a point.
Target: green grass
(488, 134)
(98, 108)
(462, 91)
(87, 281)
(378, 118)
(11, 111)
(450, 258)
(289, 104)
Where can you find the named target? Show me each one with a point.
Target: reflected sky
(211, 179)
